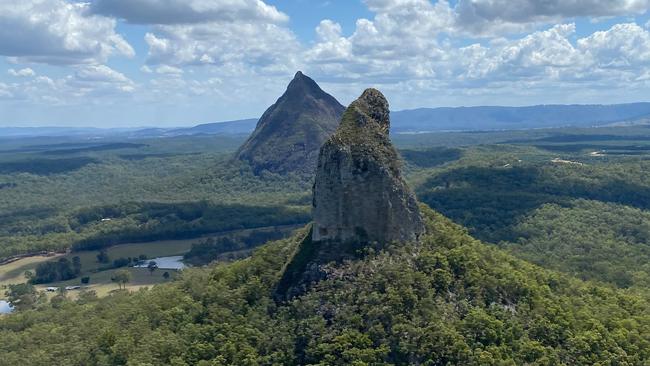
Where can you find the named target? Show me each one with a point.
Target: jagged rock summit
(360, 199)
(289, 134)
(359, 193)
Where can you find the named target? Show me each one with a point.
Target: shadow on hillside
(432, 157)
(151, 221)
(489, 201)
(43, 166)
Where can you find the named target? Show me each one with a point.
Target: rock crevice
(360, 199)
(359, 193)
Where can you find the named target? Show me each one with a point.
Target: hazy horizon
(178, 63)
(197, 123)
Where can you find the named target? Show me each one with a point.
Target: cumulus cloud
(103, 77)
(231, 51)
(232, 45)
(401, 39)
(489, 15)
(87, 84)
(550, 59)
(169, 70)
(57, 32)
(22, 72)
(243, 36)
(622, 46)
(188, 11)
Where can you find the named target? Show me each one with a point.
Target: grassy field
(100, 276)
(100, 280)
(101, 283)
(14, 272)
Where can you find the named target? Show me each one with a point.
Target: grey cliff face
(290, 133)
(360, 199)
(359, 194)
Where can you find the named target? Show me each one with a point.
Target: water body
(5, 308)
(174, 262)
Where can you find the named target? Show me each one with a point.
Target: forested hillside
(87, 195)
(449, 299)
(571, 202)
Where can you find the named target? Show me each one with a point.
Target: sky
(137, 63)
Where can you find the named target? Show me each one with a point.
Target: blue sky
(124, 63)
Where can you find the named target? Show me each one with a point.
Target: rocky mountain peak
(359, 193)
(359, 200)
(370, 107)
(288, 135)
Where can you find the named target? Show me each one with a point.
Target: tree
(22, 296)
(86, 296)
(60, 270)
(102, 256)
(122, 277)
(85, 280)
(152, 266)
(140, 259)
(76, 265)
(29, 275)
(166, 275)
(121, 262)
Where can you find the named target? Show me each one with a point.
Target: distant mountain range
(238, 127)
(509, 118)
(405, 121)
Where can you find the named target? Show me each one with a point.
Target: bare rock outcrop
(360, 199)
(290, 133)
(359, 193)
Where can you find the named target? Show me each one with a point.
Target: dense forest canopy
(169, 188)
(569, 201)
(450, 299)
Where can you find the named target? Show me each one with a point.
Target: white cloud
(188, 11)
(243, 36)
(490, 17)
(328, 30)
(402, 39)
(5, 93)
(87, 84)
(546, 62)
(170, 70)
(539, 55)
(57, 32)
(22, 72)
(622, 46)
(481, 16)
(414, 44)
(217, 55)
(233, 45)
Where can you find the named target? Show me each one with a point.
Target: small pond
(5, 307)
(174, 262)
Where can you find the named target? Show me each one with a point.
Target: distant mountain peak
(299, 75)
(288, 135)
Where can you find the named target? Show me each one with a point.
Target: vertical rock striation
(359, 193)
(360, 199)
